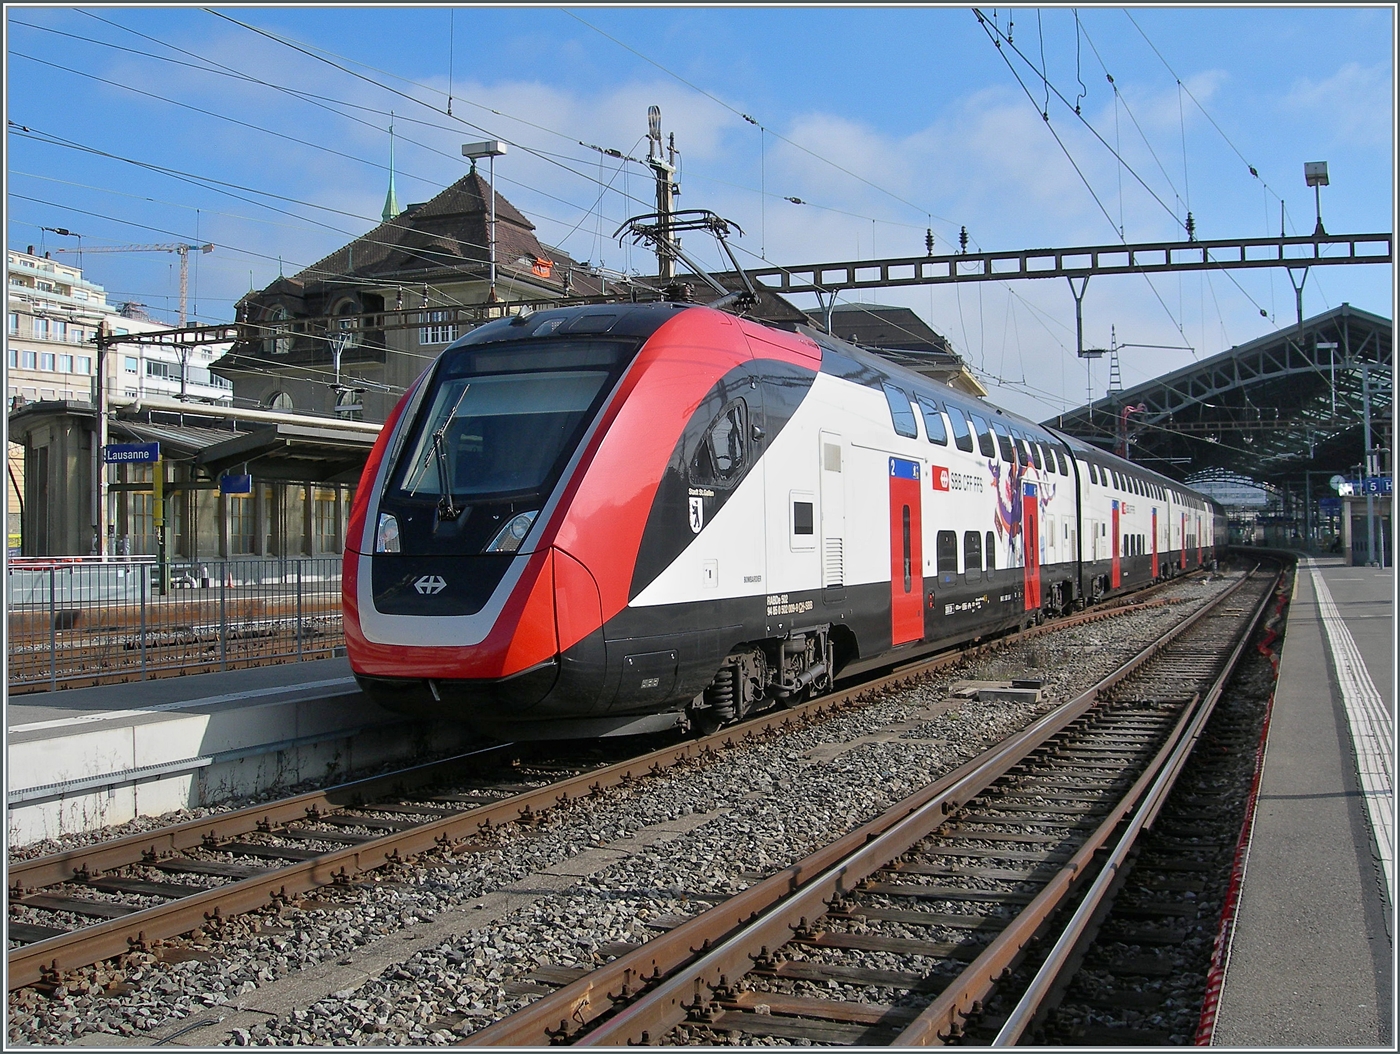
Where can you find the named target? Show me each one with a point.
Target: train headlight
(386, 538)
(512, 534)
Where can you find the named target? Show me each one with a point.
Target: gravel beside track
(599, 873)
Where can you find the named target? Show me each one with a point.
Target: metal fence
(83, 621)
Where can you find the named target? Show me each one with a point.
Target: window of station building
(279, 401)
(323, 522)
(129, 363)
(14, 323)
(947, 556)
(59, 331)
(933, 421)
(46, 361)
(65, 364)
(901, 413)
(962, 437)
(41, 328)
(439, 330)
(241, 528)
(29, 360)
(972, 551)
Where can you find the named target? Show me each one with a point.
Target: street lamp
(1315, 172)
(490, 149)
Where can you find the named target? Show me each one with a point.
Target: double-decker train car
(617, 519)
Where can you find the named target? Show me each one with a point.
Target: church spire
(391, 202)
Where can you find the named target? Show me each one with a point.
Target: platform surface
(73, 710)
(1311, 961)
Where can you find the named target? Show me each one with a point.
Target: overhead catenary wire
(221, 186)
(1117, 227)
(300, 140)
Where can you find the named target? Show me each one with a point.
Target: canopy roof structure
(1269, 411)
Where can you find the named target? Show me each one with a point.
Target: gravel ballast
(669, 845)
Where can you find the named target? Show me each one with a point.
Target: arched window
(279, 401)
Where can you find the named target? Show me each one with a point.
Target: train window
(1093, 472)
(984, 437)
(908, 553)
(1008, 452)
(933, 422)
(991, 552)
(972, 551)
(1117, 479)
(901, 413)
(1061, 460)
(802, 517)
(1035, 456)
(947, 556)
(497, 434)
(961, 436)
(722, 452)
(1022, 452)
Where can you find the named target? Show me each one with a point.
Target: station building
(350, 333)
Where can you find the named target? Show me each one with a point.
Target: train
(619, 519)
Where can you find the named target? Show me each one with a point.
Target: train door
(1200, 560)
(833, 519)
(906, 552)
(1030, 528)
(1116, 574)
(1154, 543)
(1183, 541)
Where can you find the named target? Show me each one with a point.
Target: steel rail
(47, 958)
(764, 915)
(60, 867)
(1028, 1006)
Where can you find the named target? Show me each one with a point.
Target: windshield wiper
(447, 508)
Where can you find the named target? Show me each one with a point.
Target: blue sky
(883, 120)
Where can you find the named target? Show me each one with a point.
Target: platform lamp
(490, 149)
(1315, 172)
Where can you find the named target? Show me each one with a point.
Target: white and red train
(615, 519)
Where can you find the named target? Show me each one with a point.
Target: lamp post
(490, 149)
(1315, 172)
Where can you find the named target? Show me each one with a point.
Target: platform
(1312, 953)
(82, 758)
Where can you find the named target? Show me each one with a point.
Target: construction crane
(169, 247)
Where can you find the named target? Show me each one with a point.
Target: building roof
(898, 334)
(880, 326)
(450, 231)
(1268, 411)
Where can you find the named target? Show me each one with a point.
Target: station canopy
(1266, 412)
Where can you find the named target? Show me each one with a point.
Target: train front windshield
(502, 421)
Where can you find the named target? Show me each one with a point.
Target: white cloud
(1355, 105)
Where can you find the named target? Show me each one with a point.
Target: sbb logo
(939, 475)
(430, 584)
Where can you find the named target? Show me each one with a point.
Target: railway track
(90, 904)
(931, 906)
